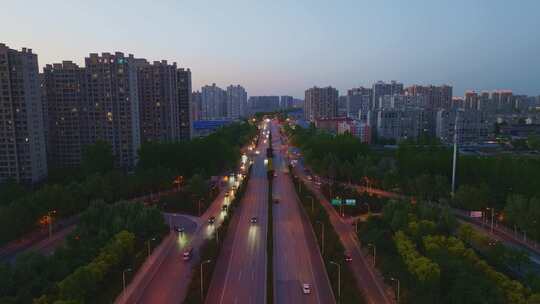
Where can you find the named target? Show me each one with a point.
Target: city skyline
(282, 48)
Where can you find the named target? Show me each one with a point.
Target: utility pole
(124, 280)
(322, 237)
(455, 154)
(339, 280)
(396, 280)
(492, 217)
(148, 243)
(202, 281)
(374, 252)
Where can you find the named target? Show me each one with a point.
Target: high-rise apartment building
(263, 104)
(196, 101)
(321, 103)
(359, 99)
(236, 102)
(185, 104)
(158, 101)
(22, 139)
(381, 88)
(286, 102)
(213, 102)
(472, 126)
(438, 97)
(117, 99)
(63, 95)
(399, 124)
(112, 105)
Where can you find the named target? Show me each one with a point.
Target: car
(309, 177)
(224, 207)
(275, 174)
(257, 152)
(211, 220)
(186, 256)
(306, 288)
(253, 220)
(347, 257)
(179, 229)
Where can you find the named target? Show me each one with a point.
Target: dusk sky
(283, 47)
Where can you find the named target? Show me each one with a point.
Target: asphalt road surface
(296, 255)
(240, 273)
(171, 281)
(368, 281)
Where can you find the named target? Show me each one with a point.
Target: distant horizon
(284, 48)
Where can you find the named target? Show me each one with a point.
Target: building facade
(111, 110)
(213, 102)
(22, 139)
(472, 126)
(321, 103)
(159, 115)
(359, 99)
(236, 102)
(64, 94)
(185, 104)
(381, 88)
(437, 97)
(286, 102)
(263, 104)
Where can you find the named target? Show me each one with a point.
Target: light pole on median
(374, 252)
(124, 279)
(492, 217)
(368, 208)
(396, 280)
(322, 237)
(50, 218)
(148, 243)
(312, 204)
(339, 279)
(202, 281)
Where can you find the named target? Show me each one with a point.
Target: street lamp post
(396, 280)
(202, 281)
(312, 204)
(492, 217)
(322, 237)
(339, 279)
(50, 218)
(148, 243)
(374, 252)
(124, 279)
(368, 208)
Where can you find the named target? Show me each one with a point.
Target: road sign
(336, 202)
(350, 202)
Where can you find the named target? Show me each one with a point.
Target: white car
(306, 288)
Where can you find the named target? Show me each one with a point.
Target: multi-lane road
(240, 273)
(367, 279)
(170, 282)
(296, 255)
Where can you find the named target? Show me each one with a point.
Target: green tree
(471, 197)
(97, 158)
